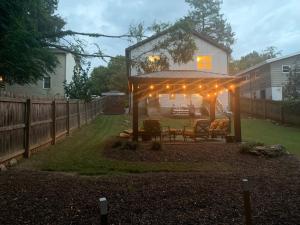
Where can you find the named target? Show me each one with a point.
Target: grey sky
(257, 23)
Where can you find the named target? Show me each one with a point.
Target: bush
(156, 146)
(130, 145)
(117, 144)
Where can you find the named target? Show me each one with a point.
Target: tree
(28, 31)
(80, 86)
(205, 17)
(292, 86)
(111, 77)
(252, 59)
(24, 29)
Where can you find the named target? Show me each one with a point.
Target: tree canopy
(110, 77)
(25, 29)
(252, 59)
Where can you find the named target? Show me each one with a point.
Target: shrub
(130, 145)
(156, 146)
(117, 144)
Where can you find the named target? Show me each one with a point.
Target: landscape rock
(269, 150)
(13, 162)
(2, 168)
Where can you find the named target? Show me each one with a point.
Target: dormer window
(204, 62)
(153, 58)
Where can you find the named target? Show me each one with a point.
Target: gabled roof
(197, 34)
(268, 61)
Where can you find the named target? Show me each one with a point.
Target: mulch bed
(33, 197)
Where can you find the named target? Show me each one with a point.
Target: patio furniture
(219, 127)
(153, 128)
(199, 130)
(173, 132)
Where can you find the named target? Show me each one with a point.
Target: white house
(210, 58)
(52, 85)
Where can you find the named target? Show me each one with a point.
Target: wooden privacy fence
(27, 124)
(268, 109)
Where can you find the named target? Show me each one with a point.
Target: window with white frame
(47, 82)
(286, 68)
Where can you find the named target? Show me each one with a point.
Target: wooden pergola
(208, 85)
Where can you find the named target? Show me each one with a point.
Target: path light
(151, 87)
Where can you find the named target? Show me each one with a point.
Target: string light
(168, 86)
(151, 87)
(231, 86)
(184, 95)
(215, 94)
(208, 95)
(184, 86)
(216, 86)
(150, 95)
(200, 86)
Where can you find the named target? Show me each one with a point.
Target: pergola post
(212, 109)
(135, 114)
(237, 115)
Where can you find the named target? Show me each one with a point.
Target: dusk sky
(256, 23)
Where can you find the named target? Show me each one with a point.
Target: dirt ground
(36, 197)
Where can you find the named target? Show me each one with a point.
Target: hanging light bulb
(216, 86)
(184, 86)
(168, 86)
(151, 87)
(150, 95)
(200, 86)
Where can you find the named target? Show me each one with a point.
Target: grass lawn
(269, 133)
(81, 152)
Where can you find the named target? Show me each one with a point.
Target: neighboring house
(210, 58)
(51, 85)
(266, 80)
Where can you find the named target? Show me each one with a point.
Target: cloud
(257, 23)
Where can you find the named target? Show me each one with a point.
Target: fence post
(28, 128)
(53, 122)
(282, 113)
(68, 118)
(78, 113)
(265, 109)
(247, 203)
(86, 114)
(103, 211)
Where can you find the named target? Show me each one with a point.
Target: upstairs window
(153, 58)
(204, 62)
(47, 82)
(286, 68)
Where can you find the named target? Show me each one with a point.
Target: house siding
(63, 71)
(219, 56)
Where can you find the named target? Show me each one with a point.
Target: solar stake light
(103, 211)
(247, 203)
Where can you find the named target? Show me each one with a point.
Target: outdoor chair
(219, 127)
(153, 128)
(200, 129)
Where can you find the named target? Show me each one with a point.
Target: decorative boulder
(2, 168)
(270, 150)
(13, 162)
